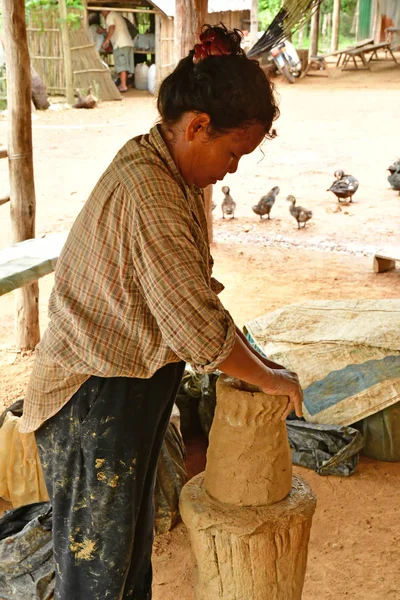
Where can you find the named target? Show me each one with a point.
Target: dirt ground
(349, 121)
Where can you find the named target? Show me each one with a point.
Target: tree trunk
(314, 33)
(22, 189)
(69, 83)
(335, 25)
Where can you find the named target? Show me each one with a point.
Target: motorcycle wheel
(286, 73)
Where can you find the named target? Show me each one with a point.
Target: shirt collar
(157, 141)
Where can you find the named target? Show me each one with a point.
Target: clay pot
(248, 460)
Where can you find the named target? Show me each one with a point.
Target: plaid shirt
(133, 289)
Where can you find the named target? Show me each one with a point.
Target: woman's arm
(243, 363)
(268, 363)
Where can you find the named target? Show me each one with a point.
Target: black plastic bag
(327, 449)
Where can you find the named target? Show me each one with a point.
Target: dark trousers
(99, 456)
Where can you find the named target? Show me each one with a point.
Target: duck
(302, 215)
(228, 204)
(345, 186)
(88, 101)
(394, 167)
(263, 207)
(394, 179)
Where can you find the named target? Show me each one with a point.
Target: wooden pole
(69, 83)
(190, 15)
(22, 188)
(254, 21)
(314, 33)
(335, 25)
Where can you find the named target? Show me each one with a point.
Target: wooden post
(190, 16)
(186, 27)
(335, 26)
(69, 84)
(22, 188)
(254, 21)
(314, 33)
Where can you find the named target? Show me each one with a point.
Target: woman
(133, 300)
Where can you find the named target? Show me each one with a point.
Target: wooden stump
(248, 552)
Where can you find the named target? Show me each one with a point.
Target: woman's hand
(286, 383)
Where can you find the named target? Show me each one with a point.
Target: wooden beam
(22, 188)
(335, 25)
(127, 9)
(69, 81)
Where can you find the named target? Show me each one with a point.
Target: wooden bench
(27, 261)
(383, 262)
(363, 52)
(341, 53)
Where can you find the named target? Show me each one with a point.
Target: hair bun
(217, 40)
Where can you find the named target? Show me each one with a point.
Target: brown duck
(263, 207)
(302, 215)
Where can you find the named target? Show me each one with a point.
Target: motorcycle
(286, 60)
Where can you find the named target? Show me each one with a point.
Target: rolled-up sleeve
(172, 274)
(216, 286)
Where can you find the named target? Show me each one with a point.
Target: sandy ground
(349, 121)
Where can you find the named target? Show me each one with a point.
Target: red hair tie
(211, 45)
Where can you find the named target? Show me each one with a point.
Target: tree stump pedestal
(249, 520)
(248, 552)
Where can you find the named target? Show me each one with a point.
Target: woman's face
(207, 160)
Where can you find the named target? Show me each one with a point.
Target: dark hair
(231, 88)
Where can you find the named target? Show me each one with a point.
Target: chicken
(228, 204)
(88, 101)
(344, 186)
(302, 215)
(266, 203)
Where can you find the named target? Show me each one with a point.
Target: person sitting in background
(119, 37)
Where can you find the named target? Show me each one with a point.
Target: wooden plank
(25, 262)
(383, 262)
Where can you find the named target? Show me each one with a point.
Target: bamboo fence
(45, 46)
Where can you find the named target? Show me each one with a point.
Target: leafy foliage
(74, 8)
